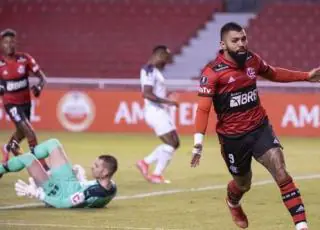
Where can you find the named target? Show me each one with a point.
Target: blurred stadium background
(113, 38)
(92, 51)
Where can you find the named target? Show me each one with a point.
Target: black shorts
(238, 151)
(18, 113)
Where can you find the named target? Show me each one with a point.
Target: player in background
(243, 127)
(156, 103)
(15, 68)
(65, 186)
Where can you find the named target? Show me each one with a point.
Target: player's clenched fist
(36, 90)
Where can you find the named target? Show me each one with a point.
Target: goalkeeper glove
(29, 190)
(80, 173)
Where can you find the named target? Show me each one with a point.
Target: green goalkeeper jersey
(97, 196)
(88, 194)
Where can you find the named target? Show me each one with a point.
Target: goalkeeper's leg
(50, 149)
(60, 167)
(28, 161)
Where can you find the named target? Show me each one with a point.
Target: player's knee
(53, 144)
(245, 187)
(27, 159)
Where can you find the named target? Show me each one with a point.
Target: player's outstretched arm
(284, 75)
(314, 75)
(201, 123)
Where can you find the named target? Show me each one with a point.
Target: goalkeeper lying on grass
(65, 186)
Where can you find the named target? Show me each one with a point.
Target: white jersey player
(157, 116)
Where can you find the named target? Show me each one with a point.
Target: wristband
(198, 138)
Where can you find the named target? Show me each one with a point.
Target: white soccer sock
(152, 157)
(302, 225)
(164, 158)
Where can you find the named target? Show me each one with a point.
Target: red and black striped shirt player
(229, 83)
(15, 69)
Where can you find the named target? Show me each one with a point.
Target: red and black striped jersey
(234, 93)
(14, 73)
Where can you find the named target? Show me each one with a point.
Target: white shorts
(159, 120)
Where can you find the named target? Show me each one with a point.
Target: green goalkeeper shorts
(62, 182)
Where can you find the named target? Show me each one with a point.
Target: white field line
(137, 196)
(22, 224)
(166, 192)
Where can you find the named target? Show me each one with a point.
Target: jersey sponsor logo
(203, 80)
(238, 99)
(16, 85)
(205, 90)
(76, 111)
(251, 73)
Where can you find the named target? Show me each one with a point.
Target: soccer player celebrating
(243, 127)
(156, 115)
(65, 186)
(15, 68)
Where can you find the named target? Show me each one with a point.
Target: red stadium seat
(286, 35)
(110, 38)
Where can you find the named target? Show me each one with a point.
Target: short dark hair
(111, 163)
(8, 33)
(159, 48)
(230, 26)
